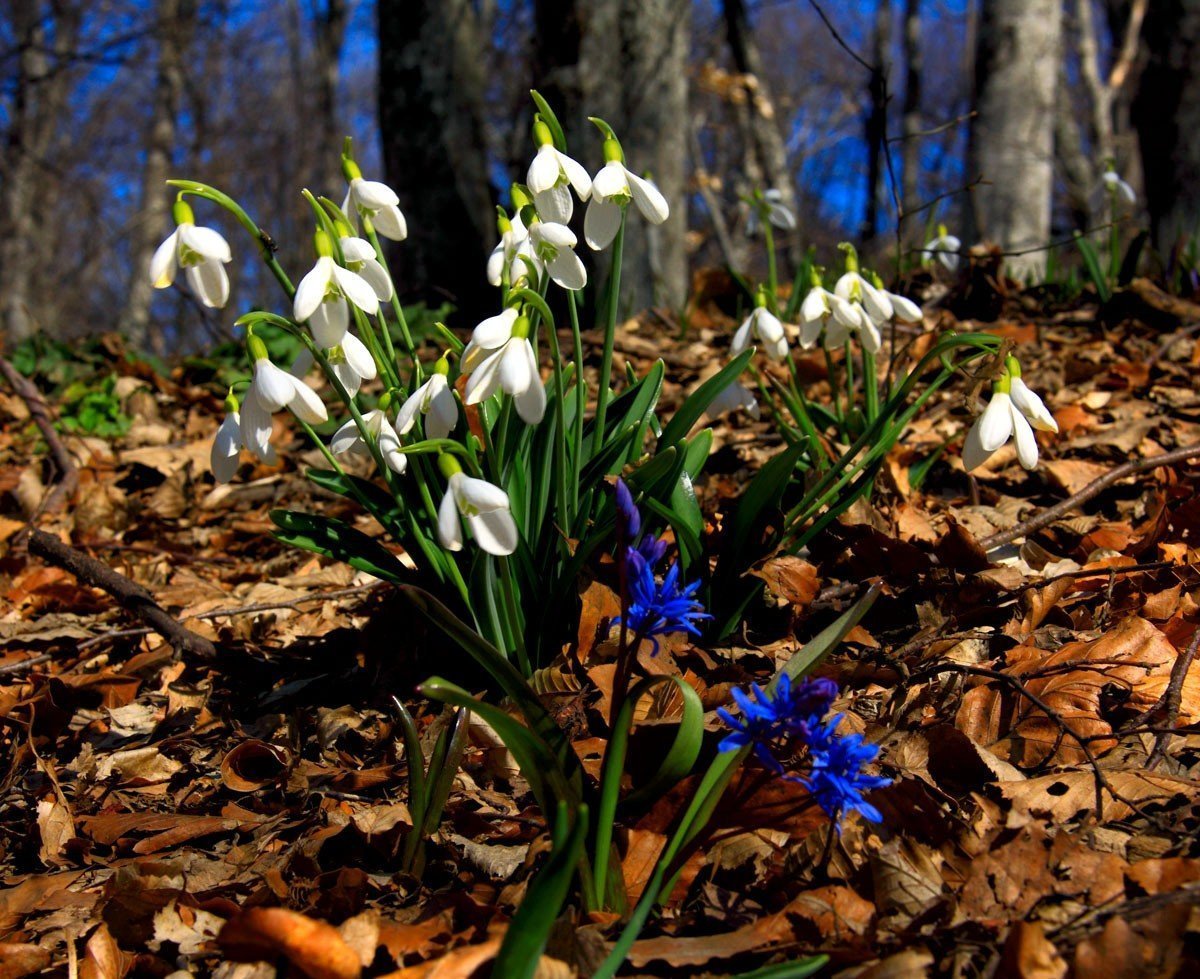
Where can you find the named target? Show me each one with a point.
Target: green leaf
(788, 970)
(697, 403)
(339, 540)
(387, 509)
(550, 119)
(1091, 261)
(632, 408)
(527, 934)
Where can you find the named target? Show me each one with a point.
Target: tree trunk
(431, 115)
(1012, 136)
(910, 162)
(1166, 112)
(329, 34)
(176, 20)
(876, 123)
(763, 136)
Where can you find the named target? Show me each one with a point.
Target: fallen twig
(129, 594)
(1094, 488)
(1171, 699)
(39, 411)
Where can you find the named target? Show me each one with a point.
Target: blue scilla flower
(629, 520)
(787, 710)
(658, 608)
(837, 780)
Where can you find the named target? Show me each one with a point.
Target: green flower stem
(870, 385)
(610, 332)
(512, 606)
(834, 389)
(580, 404)
(772, 269)
(850, 392)
(565, 514)
(385, 365)
(817, 447)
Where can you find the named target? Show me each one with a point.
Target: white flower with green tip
(613, 187)
(201, 252)
(435, 401)
(550, 175)
(348, 440)
(1014, 412)
(485, 508)
(373, 200)
(509, 365)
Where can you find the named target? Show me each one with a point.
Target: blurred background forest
(875, 120)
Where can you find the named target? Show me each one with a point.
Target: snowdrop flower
(904, 310)
(484, 506)
(361, 259)
(1118, 188)
(273, 388)
(735, 396)
(815, 312)
(348, 440)
(549, 176)
(945, 248)
(372, 200)
(855, 288)
(506, 256)
(1014, 412)
(487, 337)
(851, 319)
(764, 327)
(510, 366)
(227, 443)
(324, 286)
(613, 187)
(350, 361)
(435, 401)
(554, 244)
(201, 252)
(777, 213)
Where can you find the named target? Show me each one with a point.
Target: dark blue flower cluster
(654, 608)
(796, 712)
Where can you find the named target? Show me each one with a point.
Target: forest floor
(1028, 673)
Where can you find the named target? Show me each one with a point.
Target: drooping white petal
(226, 447)
(346, 439)
(1027, 448)
(580, 182)
(378, 279)
(494, 532)
(876, 303)
(449, 528)
(495, 265)
(355, 288)
(531, 400)
(312, 288)
(210, 283)
(741, 337)
(478, 494)
(610, 180)
(357, 249)
(905, 310)
(347, 376)
(974, 454)
(601, 222)
(494, 331)
(995, 424)
(390, 223)
(810, 333)
(389, 446)
(847, 286)
(566, 268)
(359, 357)
(735, 396)
(814, 306)
(648, 198)
(307, 404)
(162, 264)
(373, 194)
(544, 171)
(207, 242)
(869, 336)
(256, 425)
(485, 378)
(555, 234)
(273, 387)
(329, 323)
(766, 325)
(517, 370)
(302, 364)
(1032, 407)
(781, 217)
(442, 414)
(555, 204)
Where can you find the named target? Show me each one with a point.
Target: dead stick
(39, 411)
(1172, 698)
(1094, 488)
(129, 594)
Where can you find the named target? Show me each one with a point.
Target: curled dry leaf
(253, 765)
(315, 948)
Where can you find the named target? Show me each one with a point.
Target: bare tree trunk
(1166, 112)
(876, 123)
(329, 33)
(1012, 136)
(46, 38)
(763, 136)
(431, 114)
(176, 20)
(910, 163)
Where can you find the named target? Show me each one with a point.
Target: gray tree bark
(1166, 112)
(176, 20)
(876, 121)
(1012, 135)
(431, 114)
(910, 156)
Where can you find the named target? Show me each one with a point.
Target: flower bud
(181, 211)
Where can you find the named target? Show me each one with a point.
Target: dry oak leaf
(1065, 796)
(18, 961)
(1135, 657)
(103, 959)
(1151, 945)
(1029, 954)
(313, 947)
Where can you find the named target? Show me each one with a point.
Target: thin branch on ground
(39, 412)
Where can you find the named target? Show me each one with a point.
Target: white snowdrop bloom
(488, 336)
(361, 258)
(554, 245)
(327, 281)
(945, 248)
(348, 440)
(764, 327)
(550, 175)
(851, 319)
(227, 444)
(855, 288)
(1114, 185)
(256, 425)
(485, 508)
(778, 214)
(1013, 412)
(815, 314)
(374, 200)
(735, 395)
(904, 310)
(514, 242)
(274, 389)
(435, 401)
(613, 187)
(330, 321)
(512, 368)
(352, 363)
(201, 252)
